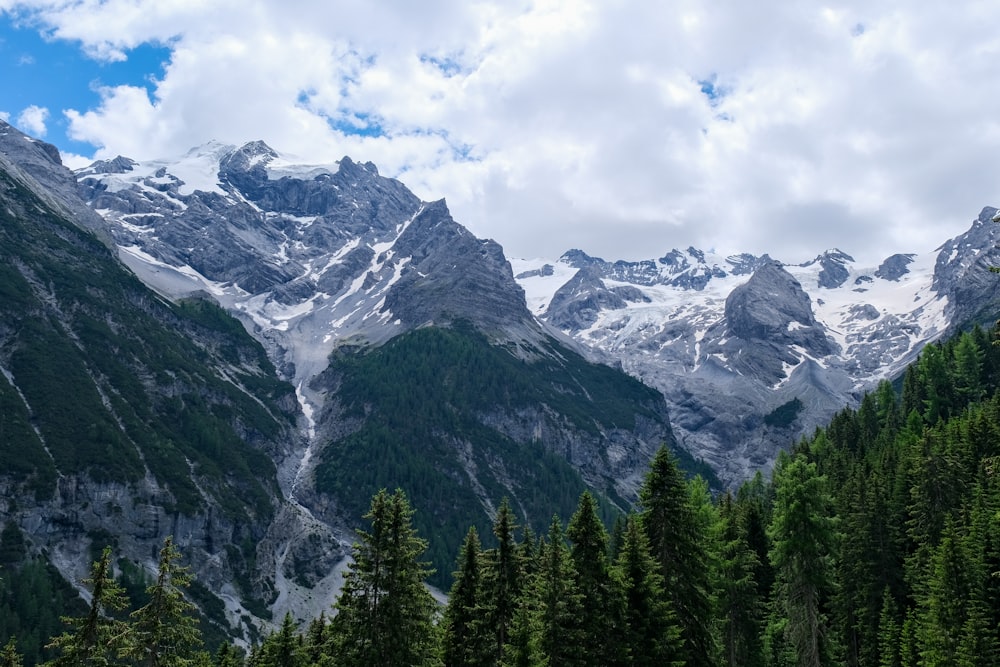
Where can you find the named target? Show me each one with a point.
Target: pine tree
(227, 656)
(589, 553)
(740, 605)
(650, 634)
(942, 611)
(165, 631)
(316, 641)
(889, 633)
(560, 637)
(9, 657)
(466, 640)
(385, 614)
(677, 542)
(502, 580)
(281, 649)
(96, 638)
(803, 545)
(968, 370)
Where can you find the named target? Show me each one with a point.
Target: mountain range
(378, 343)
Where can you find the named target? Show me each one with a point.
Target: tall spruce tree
(164, 632)
(502, 580)
(677, 541)
(466, 639)
(560, 638)
(9, 657)
(803, 537)
(96, 638)
(740, 605)
(650, 634)
(385, 614)
(589, 553)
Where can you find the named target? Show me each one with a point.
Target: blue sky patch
(56, 75)
(712, 90)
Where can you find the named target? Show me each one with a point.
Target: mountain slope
(338, 270)
(128, 418)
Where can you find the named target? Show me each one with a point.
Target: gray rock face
(962, 272)
(577, 303)
(894, 267)
(41, 163)
(726, 351)
(833, 272)
(452, 274)
(765, 319)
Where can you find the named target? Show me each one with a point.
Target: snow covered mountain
(315, 256)
(752, 352)
(308, 256)
(407, 339)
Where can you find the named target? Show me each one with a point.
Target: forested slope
(877, 543)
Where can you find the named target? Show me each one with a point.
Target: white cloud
(551, 124)
(32, 120)
(4, 116)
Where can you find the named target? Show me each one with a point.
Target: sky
(625, 128)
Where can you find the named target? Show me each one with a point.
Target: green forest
(876, 542)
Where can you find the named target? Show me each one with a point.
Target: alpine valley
(239, 350)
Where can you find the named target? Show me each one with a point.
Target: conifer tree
(9, 657)
(889, 633)
(227, 656)
(466, 640)
(282, 649)
(968, 370)
(316, 640)
(96, 638)
(385, 614)
(650, 631)
(502, 579)
(943, 609)
(589, 553)
(677, 542)
(803, 546)
(560, 638)
(164, 632)
(740, 605)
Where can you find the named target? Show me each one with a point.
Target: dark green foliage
(34, 598)
(679, 543)
(385, 613)
(589, 554)
(97, 638)
(503, 579)
(430, 405)
(784, 415)
(740, 605)
(9, 657)
(164, 631)
(649, 631)
(144, 375)
(467, 640)
(561, 638)
(803, 550)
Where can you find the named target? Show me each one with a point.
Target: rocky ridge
(729, 340)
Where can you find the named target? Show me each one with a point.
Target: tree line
(876, 543)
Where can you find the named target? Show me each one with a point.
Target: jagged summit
(307, 255)
(728, 339)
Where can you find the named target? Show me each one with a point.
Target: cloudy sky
(622, 127)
